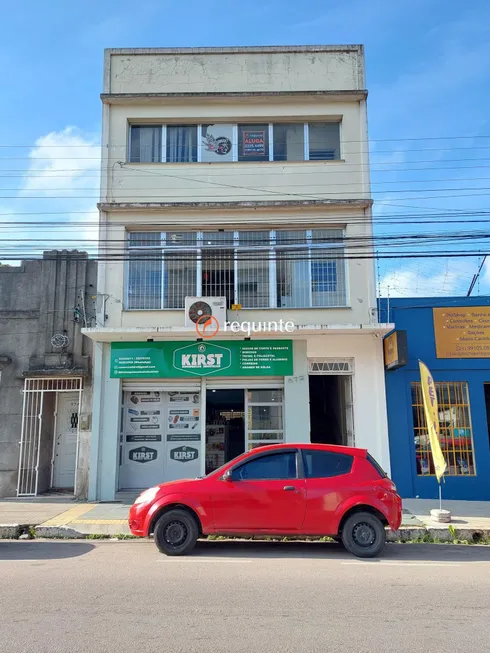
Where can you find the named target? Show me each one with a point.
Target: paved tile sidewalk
(112, 518)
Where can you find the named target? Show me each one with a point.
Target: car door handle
(289, 488)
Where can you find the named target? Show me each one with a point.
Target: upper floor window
(181, 143)
(256, 269)
(324, 141)
(145, 143)
(226, 142)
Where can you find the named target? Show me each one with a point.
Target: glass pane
(256, 445)
(218, 274)
(265, 396)
(146, 143)
(217, 238)
(253, 279)
(264, 417)
(456, 435)
(287, 237)
(328, 278)
(275, 466)
(144, 238)
(324, 464)
(253, 142)
(145, 280)
(180, 278)
(251, 238)
(324, 141)
(217, 143)
(289, 142)
(293, 278)
(327, 236)
(181, 143)
(255, 436)
(180, 238)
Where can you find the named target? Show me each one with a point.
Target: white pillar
(297, 397)
(104, 453)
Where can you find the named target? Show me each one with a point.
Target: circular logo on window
(201, 348)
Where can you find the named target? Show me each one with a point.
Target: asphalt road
(70, 597)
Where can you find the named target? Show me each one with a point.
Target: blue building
(451, 335)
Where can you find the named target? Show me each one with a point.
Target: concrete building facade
(45, 374)
(235, 184)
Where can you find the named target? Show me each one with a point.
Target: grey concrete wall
(37, 300)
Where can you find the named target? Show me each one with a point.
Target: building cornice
(149, 98)
(245, 205)
(254, 49)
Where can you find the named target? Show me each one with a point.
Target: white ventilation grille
(337, 366)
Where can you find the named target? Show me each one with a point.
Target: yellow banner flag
(432, 418)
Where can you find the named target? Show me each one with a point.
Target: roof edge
(238, 49)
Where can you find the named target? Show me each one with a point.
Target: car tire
(176, 533)
(363, 535)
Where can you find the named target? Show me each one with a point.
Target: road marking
(201, 559)
(68, 516)
(406, 564)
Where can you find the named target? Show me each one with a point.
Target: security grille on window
(456, 433)
(257, 269)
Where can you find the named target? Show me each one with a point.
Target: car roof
(336, 448)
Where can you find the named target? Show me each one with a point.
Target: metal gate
(31, 438)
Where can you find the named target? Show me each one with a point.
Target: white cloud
(433, 278)
(59, 187)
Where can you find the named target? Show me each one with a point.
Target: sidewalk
(71, 519)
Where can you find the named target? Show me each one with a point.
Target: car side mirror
(227, 476)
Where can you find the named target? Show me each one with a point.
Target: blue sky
(428, 70)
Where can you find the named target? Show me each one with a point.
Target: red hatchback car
(282, 489)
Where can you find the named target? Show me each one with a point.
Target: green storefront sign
(183, 359)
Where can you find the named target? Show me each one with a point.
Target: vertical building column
(297, 397)
(104, 454)
(370, 415)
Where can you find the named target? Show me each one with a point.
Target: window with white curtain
(229, 142)
(145, 144)
(181, 143)
(287, 268)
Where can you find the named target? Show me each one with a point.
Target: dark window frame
(328, 453)
(267, 454)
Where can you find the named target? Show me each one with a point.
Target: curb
(58, 532)
(403, 535)
(10, 531)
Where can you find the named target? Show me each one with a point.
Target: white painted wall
(104, 451)
(227, 70)
(296, 397)
(183, 182)
(370, 419)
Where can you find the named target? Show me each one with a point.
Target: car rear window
(377, 466)
(324, 464)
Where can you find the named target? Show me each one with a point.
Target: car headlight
(147, 495)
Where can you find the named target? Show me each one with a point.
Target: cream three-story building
(236, 291)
